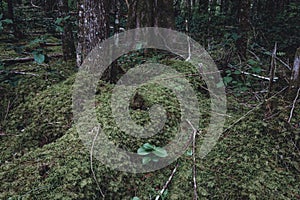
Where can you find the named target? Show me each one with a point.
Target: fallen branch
(254, 75)
(26, 59)
(17, 72)
(167, 183)
(293, 107)
(194, 160)
(91, 163)
(51, 44)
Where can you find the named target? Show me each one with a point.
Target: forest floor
(43, 157)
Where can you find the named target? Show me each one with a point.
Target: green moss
(22, 82)
(40, 120)
(254, 159)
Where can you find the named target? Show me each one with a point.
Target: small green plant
(151, 153)
(59, 22)
(135, 198)
(38, 51)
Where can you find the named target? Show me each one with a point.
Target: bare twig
(167, 183)
(272, 70)
(127, 3)
(91, 162)
(194, 160)
(278, 59)
(293, 107)
(7, 110)
(257, 58)
(33, 5)
(19, 72)
(189, 49)
(254, 75)
(282, 62)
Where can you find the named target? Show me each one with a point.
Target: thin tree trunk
(244, 27)
(68, 46)
(149, 13)
(203, 6)
(295, 80)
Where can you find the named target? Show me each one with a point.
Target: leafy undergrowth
(255, 159)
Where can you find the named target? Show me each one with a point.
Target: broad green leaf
(7, 21)
(39, 57)
(235, 36)
(148, 146)
(135, 198)
(227, 79)
(59, 29)
(58, 20)
(189, 152)
(141, 151)
(160, 152)
(146, 160)
(256, 69)
(67, 17)
(252, 62)
(237, 72)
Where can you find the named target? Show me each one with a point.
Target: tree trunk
(150, 13)
(115, 69)
(244, 27)
(93, 26)
(10, 15)
(68, 46)
(295, 80)
(203, 6)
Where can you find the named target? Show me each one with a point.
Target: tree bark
(295, 80)
(150, 13)
(203, 6)
(68, 46)
(93, 26)
(10, 15)
(244, 27)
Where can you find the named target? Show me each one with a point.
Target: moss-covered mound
(20, 82)
(42, 156)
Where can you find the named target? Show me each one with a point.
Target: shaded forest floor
(42, 156)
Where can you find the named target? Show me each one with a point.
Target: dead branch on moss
(194, 160)
(167, 183)
(293, 107)
(91, 162)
